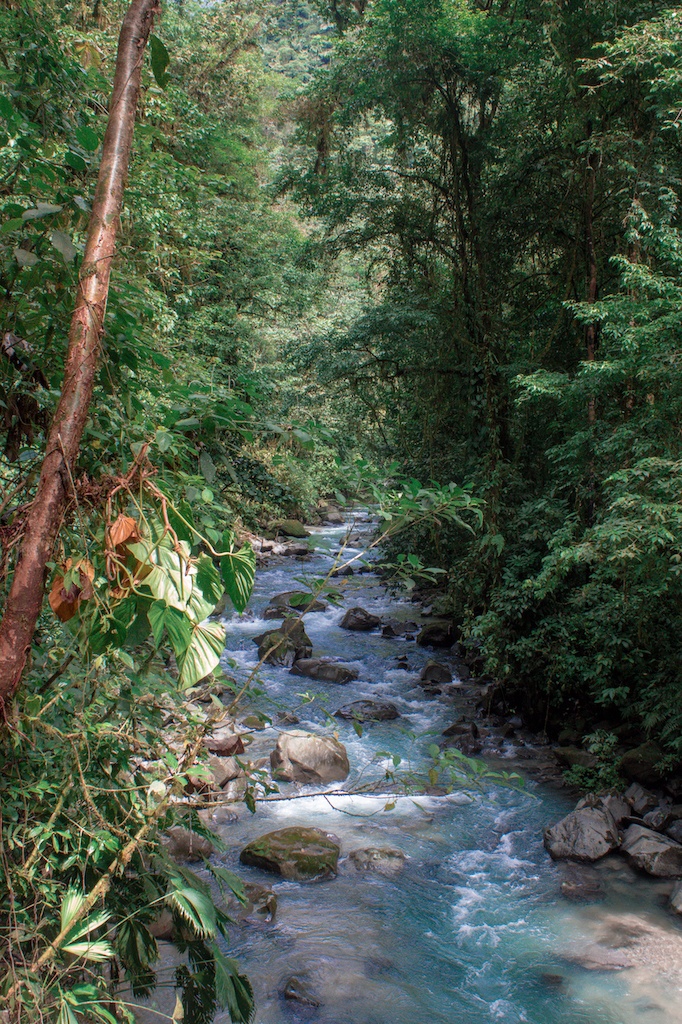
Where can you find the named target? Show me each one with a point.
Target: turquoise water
(475, 929)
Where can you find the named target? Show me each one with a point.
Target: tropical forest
(340, 512)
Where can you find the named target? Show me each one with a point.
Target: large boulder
(334, 518)
(293, 600)
(651, 852)
(224, 741)
(285, 645)
(304, 757)
(572, 757)
(299, 549)
(583, 835)
(380, 860)
(360, 620)
(434, 672)
(437, 634)
(675, 831)
(292, 528)
(324, 669)
(369, 711)
(642, 764)
(182, 844)
(224, 770)
(640, 800)
(613, 802)
(299, 854)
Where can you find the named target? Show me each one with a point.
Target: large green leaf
(233, 990)
(176, 623)
(238, 569)
(203, 653)
(196, 908)
(160, 61)
(77, 941)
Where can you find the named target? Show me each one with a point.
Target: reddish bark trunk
(44, 518)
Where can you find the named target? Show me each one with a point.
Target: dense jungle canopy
(419, 254)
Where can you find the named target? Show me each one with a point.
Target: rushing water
(475, 929)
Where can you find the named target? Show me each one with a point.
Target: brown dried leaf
(123, 531)
(65, 603)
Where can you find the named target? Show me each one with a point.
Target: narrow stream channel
(475, 929)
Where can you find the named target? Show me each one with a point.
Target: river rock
(613, 802)
(334, 518)
(260, 906)
(674, 831)
(642, 764)
(359, 620)
(296, 550)
(184, 845)
(345, 570)
(640, 800)
(162, 927)
(224, 741)
(571, 757)
(617, 805)
(292, 528)
(305, 757)
(434, 672)
(394, 628)
(223, 770)
(383, 861)
(285, 645)
(369, 711)
(324, 669)
(287, 718)
(299, 991)
(584, 835)
(658, 819)
(676, 898)
(437, 634)
(651, 852)
(281, 604)
(298, 853)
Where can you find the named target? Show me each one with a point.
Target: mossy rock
(299, 854)
(292, 528)
(285, 645)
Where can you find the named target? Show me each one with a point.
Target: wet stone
(437, 634)
(299, 991)
(583, 835)
(385, 862)
(325, 669)
(434, 672)
(299, 854)
(182, 844)
(651, 852)
(368, 711)
(305, 757)
(359, 620)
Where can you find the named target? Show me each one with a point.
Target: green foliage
(604, 775)
(466, 156)
(84, 807)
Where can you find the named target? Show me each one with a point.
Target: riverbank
(478, 923)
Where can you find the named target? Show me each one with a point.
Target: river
(475, 929)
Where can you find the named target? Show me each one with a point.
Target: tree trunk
(45, 515)
(592, 281)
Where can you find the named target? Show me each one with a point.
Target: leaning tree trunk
(45, 515)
